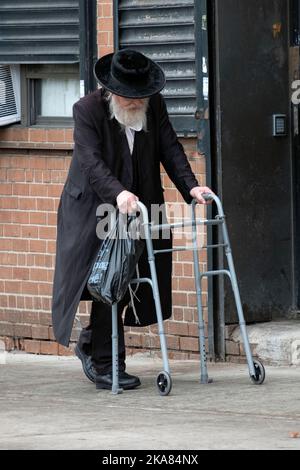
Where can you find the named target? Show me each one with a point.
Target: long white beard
(131, 118)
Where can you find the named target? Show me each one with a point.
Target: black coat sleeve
(173, 157)
(88, 150)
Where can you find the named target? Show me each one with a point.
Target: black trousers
(95, 339)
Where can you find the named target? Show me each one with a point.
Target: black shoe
(86, 363)
(126, 381)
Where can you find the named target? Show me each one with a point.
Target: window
(55, 44)
(48, 93)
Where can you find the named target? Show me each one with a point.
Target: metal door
(253, 167)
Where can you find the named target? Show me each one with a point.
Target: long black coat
(100, 169)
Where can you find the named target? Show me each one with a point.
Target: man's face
(130, 104)
(129, 112)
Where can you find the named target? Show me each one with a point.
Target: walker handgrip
(207, 196)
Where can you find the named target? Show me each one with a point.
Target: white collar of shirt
(130, 133)
(130, 137)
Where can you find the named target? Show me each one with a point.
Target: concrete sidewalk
(47, 403)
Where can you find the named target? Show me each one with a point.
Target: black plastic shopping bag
(116, 261)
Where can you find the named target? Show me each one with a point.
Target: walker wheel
(164, 383)
(259, 373)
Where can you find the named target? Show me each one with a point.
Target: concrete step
(276, 342)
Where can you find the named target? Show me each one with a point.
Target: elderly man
(122, 133)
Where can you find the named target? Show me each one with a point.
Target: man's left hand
(197, 192)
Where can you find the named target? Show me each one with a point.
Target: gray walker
(164, 382)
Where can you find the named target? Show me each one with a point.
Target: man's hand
(127, 202)
(196, 193)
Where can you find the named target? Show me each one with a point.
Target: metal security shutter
(165, 31)
(39, 31)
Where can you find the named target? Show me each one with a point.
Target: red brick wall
(105, 36)
(31, 183)
(33, 167)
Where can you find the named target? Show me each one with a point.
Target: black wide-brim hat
(130, 74)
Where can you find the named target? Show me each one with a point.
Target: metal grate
(7, 98)
(39, 31)
(165, 31)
